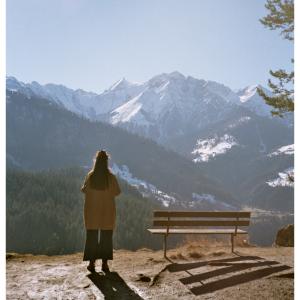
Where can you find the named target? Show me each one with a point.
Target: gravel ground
(191, 272)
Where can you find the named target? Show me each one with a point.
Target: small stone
(143, 278)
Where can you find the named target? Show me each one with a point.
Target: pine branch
(281, 16)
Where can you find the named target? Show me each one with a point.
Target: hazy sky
(90, 44)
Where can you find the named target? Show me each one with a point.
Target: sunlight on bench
(188, 222)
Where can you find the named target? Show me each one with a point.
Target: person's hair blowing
(100, 174)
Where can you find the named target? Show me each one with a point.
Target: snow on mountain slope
(247, 93)
(169, 99)
(128, 111)
(250, 98)
(209, 148)
(87, 104)
(74, 101)
(210, 199)
(159, 93)
(287, 150)
(146, 189)
(152, 108)
(151, 191)
(118, 94)
(283, 179)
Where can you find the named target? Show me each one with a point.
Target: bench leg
(232, 242)
(165, 245)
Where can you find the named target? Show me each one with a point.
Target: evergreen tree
(280, 17)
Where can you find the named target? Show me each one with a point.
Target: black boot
(91, 266)
(105, 267)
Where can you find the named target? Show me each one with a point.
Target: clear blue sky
(90, 44)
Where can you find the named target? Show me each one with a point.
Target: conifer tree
(280, 17)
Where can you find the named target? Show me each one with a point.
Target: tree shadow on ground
(113, 286)
(225, 267)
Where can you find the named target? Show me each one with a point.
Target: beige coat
(99, 206)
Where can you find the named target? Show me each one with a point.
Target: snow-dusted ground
(287, 150)
(209, 148)
(147, 189)
(283, 179)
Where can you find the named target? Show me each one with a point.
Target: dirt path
(250, 273)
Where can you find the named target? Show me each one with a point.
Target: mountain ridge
(42, 135)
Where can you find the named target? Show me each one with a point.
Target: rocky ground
(190, 272)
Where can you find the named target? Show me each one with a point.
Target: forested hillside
(44, 213)
(41, 135)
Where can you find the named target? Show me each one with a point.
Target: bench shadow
(113, 286)
(226, 267)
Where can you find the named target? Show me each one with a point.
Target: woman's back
(100, 188)
(99, 205)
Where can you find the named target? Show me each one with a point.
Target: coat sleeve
(84, 186)
(115, 186)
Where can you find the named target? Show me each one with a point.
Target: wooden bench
(188, 222)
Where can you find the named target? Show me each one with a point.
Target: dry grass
(214, 241)
(218, 253)
(177, 255)
(195, 254)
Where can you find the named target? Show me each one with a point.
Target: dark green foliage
(281, 16)
(45, 213)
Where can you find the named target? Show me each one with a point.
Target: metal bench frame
(167, 220)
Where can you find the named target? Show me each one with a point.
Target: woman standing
(100, 188)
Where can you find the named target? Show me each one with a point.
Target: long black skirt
(98, 249)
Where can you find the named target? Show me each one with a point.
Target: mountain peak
(176, 75)
(248, 92)
(121, 84)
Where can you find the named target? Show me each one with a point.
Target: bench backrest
(201, 218)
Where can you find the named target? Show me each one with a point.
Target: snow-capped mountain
(41, 135)
(250, 98)
(90, 105)
(228, 135)
(152, 108)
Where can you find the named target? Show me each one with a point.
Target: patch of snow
(248, 93)
(283, 179)
(122, 84)
(209, 148)
(162, 87)
(125, 112)
(211, 199)
(146, 189)
(204, 197)
(287, 150)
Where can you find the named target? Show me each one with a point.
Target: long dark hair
(100, 174)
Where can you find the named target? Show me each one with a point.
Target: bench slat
(196, 231)
(204, 214)
(201, 223)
